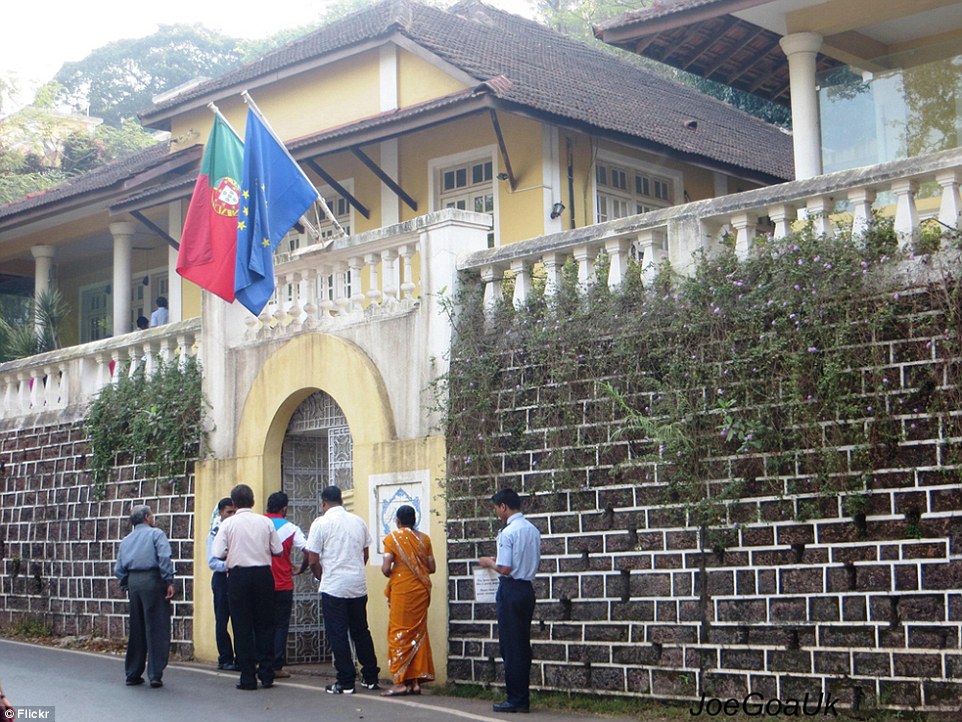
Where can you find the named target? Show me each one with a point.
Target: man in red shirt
(291, 538)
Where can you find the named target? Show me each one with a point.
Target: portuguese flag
(208, 244)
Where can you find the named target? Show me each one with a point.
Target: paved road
(87, 687)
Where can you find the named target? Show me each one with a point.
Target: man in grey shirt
(146, 573)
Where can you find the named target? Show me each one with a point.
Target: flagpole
(320, 199)
(216, 111)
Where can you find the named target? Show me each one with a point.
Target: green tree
(119, 79)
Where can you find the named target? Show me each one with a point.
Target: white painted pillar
(175, 286)
(553, 264)
(906, 212)
(522, 283)
(782, 217)
(861, 200)
(617, 250)
(950, 207)
(122, 232)
(801, 49)
(42, 265)
(744, 233)
(819, 212)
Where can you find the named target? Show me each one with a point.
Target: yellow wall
(419, 80)
(301, 367)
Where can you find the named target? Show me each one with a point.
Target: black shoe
(336, 688)
(134, 681)
(247, 687)
(370, 685)
(228, 667)
(508, 707)
(267, 683)
(155, 683)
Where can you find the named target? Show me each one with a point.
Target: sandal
(395, 692)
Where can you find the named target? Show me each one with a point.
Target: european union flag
(275, 193)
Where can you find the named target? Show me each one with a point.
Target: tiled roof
(546, 72)
(658, 10)
(100, 178)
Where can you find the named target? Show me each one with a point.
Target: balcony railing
(73, 376)
(911, 190)
(357, 278)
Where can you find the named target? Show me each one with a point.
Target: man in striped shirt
(291, 538)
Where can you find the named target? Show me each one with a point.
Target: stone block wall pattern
(58, 543)
(803, 597)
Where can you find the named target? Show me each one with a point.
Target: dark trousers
(283, 605)
(225, 648)
(149, 641)
(515, 602)
(345, 621)
(251, 594)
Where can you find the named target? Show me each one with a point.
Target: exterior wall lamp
(557, 209)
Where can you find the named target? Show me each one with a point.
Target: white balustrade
(57, 379)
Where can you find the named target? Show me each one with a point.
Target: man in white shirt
(248, 541)
(338, 548)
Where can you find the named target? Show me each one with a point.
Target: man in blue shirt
(519, 555)
(146, 573)
(218, 585)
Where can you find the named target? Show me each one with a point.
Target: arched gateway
(317, 452)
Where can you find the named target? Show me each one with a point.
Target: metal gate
(317, 452)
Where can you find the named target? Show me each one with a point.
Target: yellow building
(431, 134)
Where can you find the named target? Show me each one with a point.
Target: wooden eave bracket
(503, 148)
(338, 188)
(156, 229)
(384, 178)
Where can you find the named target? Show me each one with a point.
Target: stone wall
(58, 543)
(805, 595)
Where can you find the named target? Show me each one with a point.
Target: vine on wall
(746, 373)
(157, 421)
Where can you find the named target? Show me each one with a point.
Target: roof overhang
(735, 42)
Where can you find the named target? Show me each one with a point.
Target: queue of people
(252, 584)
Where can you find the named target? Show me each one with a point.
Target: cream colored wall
(302, 366)
(419, 80)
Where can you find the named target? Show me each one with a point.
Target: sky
(41, 35)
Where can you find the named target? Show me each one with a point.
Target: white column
(861, 200)
(782, 217)
(583, 257)
(553, 265)
(742, 222)
(522, 283)
(801, 50)
(42, 264)
(122, 233)
(491, 277)
(949, 208)
(175, 287)
(617, 250)
(906, 212)
(819, 212)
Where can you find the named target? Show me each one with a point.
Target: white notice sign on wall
(485, 585)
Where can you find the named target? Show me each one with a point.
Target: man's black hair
(242, 496)
(276, 501)
(507, 496)
(332, 494)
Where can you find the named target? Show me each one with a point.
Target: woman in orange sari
(408, 560)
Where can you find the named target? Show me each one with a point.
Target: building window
(625, 191)
(468, 186)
